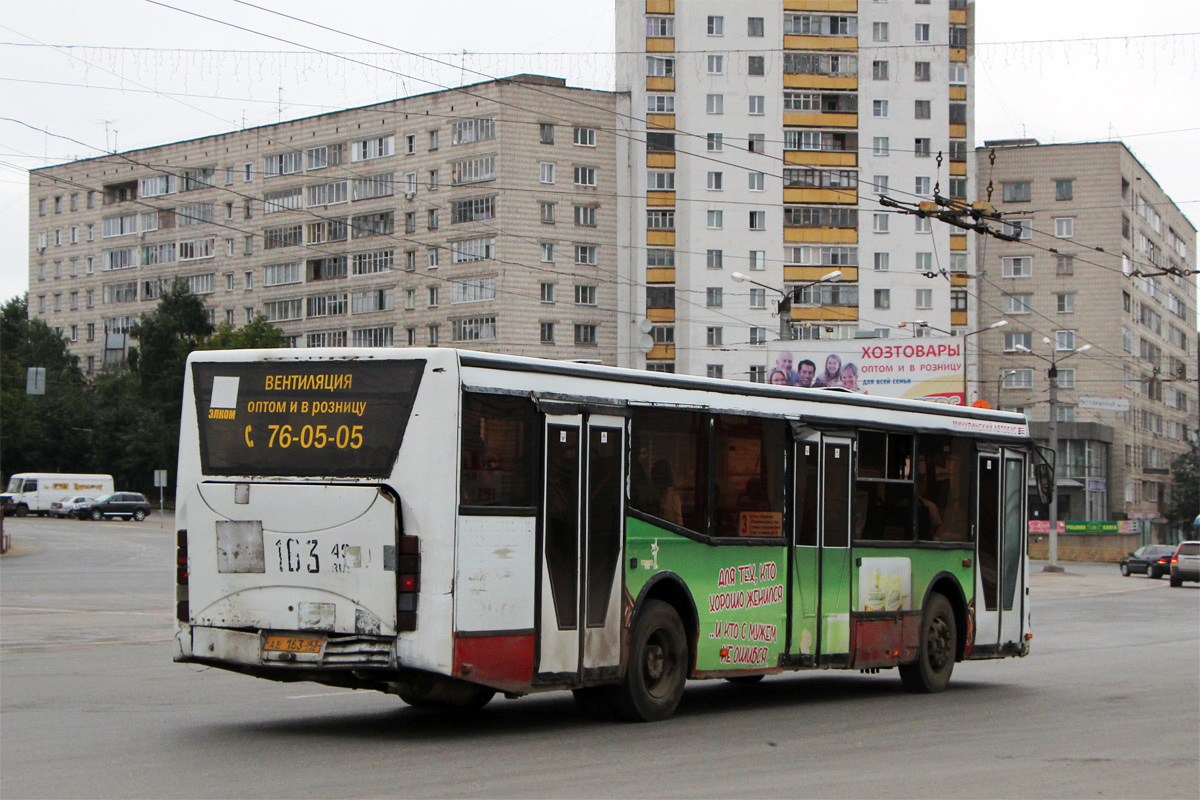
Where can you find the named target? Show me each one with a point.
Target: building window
(758, 298)
(714, 297)
(758, 220)
(879, 70)
(1017, 267)
(585, 216)
(883, 298)
(758, 373)
(880, 146)
(1064, 190)
(1018, 379)
(758, 336)
(715, 218)
(547, 172)
(585, 295)
(585, 137)
(879, 32)
(715, 259)
(716, 26)
(879, 108)
(546, 132)
(921, 71)
(1014, 341)
(660, 67)
(547, 333)
(586, 254)
(754, 26)
(1017, 192)
(715, 142)
(958, 299)
(713, 336)
(880, 223)
(757, 260)
(715, 181)
(715, 371)
(756, 142)
(756, 181)
(547, 252)
(924, 262)
(585, 334)
(758, 104)
(1018, 303)
(922, 147)
(1066, 302)
(882, 262)
(715, 104)
(921, 32)
(756, 65)
(921, 109)
(547, 292)
(1064, 340)
(547, 211)
(1064, 227)
(585, 176)
(924, 298)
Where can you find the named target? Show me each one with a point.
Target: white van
(35, 491)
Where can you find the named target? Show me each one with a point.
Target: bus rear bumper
(237, 649)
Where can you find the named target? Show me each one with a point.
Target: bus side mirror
(1043, 476)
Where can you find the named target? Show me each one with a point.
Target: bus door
(821, 549)
(582, 526)
(1000, 547)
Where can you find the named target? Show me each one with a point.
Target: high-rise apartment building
(482, 217)
(762, 134)
(1103, 257)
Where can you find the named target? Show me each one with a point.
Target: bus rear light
(408, 583)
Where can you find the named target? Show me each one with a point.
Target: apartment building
(482, 217)
(1103, 257)
(761, 136)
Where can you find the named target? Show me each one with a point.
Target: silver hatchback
(1185, 564)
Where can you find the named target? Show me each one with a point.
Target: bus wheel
(658, 656)
(935, 657)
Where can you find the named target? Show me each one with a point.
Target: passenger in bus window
(832, 374)
(929, 516)
(670, 506)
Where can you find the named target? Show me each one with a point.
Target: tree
(1185, 486)
(49, 432)
(256, 333)
(177, 326)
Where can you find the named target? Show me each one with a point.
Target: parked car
(1153, 561)
(1185, 564)
(117, 504)
(68, 506)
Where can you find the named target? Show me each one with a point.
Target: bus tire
(658, 664)
(930, 673)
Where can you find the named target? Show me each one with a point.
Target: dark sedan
(1153, 561)
(119, 504)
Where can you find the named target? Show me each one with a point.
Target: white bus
(33, 492)
(445, 525)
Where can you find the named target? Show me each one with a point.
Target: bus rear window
(303, 419)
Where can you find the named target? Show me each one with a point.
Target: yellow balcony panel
(958, 168)
(660, 160)
(958, 279)
(958, 131)
(660, 238)
(958, 16)
(660, 199)
(820, 158)
(663, 44)
(661, 351)
(795, 119)
(958, 318)
(849, 83)
(958, 54)
(660, 314)
(654, 84)
(794, 41)
(804, 195)
(660, 6)
(958, 93)
(958, 241)
(802, 274)
(821, 235)
(660, 275)
(820, 5)
(660, 121)
(825, 314)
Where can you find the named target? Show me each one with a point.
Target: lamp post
(1004, 373)
(1052, 374)
(788, 297)
(920, 323)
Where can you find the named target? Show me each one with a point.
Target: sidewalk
(1084, 580)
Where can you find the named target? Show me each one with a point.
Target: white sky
(102, 73)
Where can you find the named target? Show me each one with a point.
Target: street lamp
(1004, 373)
(1052, 374)
(920, 323)
(784, 307)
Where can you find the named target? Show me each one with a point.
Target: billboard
(917, 369)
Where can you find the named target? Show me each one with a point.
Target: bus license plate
(293, 644)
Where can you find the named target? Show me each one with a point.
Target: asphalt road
(91, 705)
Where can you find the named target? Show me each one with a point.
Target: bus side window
(884, 490)
(944, 466)
(748, 478)
(498, 447)
(668, 476)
